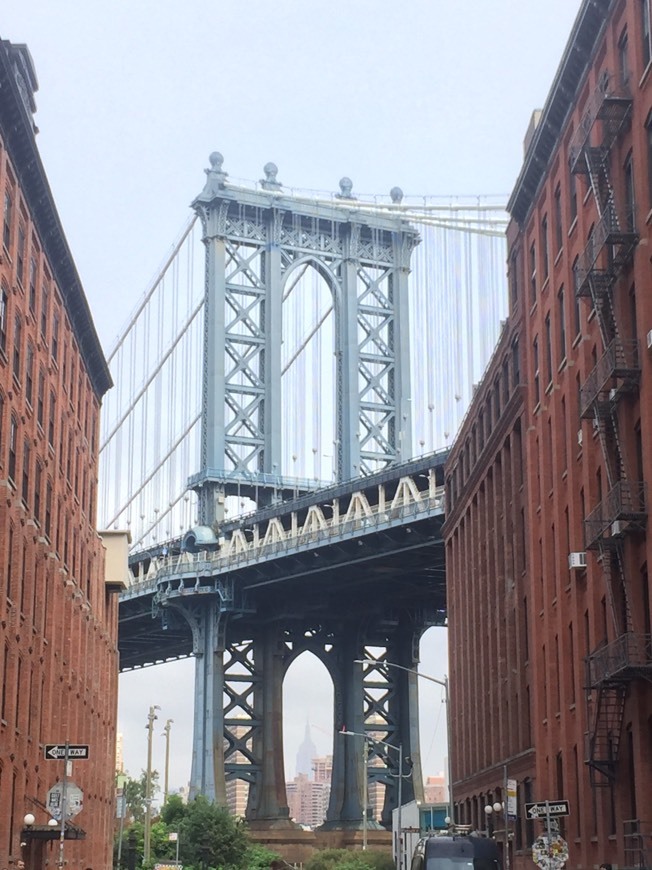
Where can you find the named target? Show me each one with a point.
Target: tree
(135, 791)
(210, 837)
(343, 859)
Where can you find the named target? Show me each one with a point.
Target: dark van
(456, 853)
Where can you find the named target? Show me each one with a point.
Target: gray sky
(433, 96)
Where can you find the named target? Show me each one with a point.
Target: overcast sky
(430, 95)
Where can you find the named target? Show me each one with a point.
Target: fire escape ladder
(613, 571)
(597, 164)
(605, 734)
(603, 424)
(637, 843)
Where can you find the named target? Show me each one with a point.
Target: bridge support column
(267, 806)
(207, 774)
(403, 707)
(345, 809)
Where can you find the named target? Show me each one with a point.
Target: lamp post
(151, 718)
(166, 734)
(369, 739)
(443, 682)
(489, 810)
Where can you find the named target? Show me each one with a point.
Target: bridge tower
(256, 241)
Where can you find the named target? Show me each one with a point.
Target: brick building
(58, 610)
(547, 550)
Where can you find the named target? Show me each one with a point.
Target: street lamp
(444, 683)
(369, 739)
(166, 734)
(151, 717)
(489, 810)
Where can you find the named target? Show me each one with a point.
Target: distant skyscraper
(307, 751)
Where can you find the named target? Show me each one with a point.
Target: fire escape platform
(622, 511)
(624, 659)
(617, 372)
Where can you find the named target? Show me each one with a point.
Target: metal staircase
(615, 378)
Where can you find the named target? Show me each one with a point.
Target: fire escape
(621, 513)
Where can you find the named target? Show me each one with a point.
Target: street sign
(58, 750)
(547, 809)
(74, 800)
(550, 852)
(512, 804)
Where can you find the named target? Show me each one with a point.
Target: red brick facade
(58, 619)
(559, 658)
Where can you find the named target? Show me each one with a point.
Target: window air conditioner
(579, 437)
(613, 395)
(649, 340)
(577, 560)
(617, 528)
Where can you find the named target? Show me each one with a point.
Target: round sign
(550, 852)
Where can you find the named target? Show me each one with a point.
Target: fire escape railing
(625, 502)
(627, 656)
(620, 360)
(606, 233)
(610, 102)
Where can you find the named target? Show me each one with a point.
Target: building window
(18, 337)
(623, 57)
(513, 274)
(548, 349)
(51, 419)
(55, 336)
(45, 302)
(630, 199)
(20, 255)
(562, 323)
(645, 22)
(40, 399)
(535, 360)
(32, 286)
(573, 197)
(13, 439)
(29, 373)
(26, 461)
(533, 273)
(544, 248)
(559, 228)
(38, 478)
(6, 229)
(4, 306)
(48, 508)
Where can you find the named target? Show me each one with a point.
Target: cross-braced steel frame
(257, 242)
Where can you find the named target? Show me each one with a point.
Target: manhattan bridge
(285, 395)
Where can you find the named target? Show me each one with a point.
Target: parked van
(456, 853)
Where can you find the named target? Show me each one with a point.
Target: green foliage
(344, 859)
(210, 837)
(258, 857)
(135, 790)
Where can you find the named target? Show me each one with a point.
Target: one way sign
(547, 809)
(56, 750)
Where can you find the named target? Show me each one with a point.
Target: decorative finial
(396, 195)
(270, 181)
(216, 175)
(346, 186)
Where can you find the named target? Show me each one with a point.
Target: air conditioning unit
(577, 560)
(579, 437)
(617, 528)
(649, 340)
(613, 395)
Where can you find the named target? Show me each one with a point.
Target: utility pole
(166, 734)
(151, 717)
